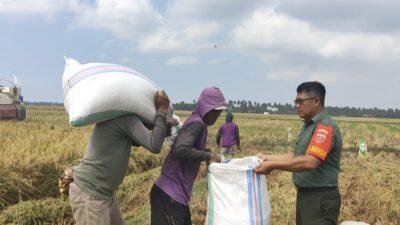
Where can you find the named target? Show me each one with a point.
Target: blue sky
(253, 50)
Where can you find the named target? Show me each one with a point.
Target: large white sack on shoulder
(96, 92)
(236, 195)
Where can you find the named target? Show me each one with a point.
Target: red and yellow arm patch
(321, 141)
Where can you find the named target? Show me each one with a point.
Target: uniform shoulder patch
(321, 141)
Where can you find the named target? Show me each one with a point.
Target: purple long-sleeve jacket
(228, 135)
(178, 174)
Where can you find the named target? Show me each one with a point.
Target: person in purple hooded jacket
(228, 137)
(170, 194)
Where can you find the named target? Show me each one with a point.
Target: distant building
(272, 109)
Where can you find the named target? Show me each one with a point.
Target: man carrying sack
(105, 163)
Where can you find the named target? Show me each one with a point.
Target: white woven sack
(96, 92)
(353, 223)
(169, 140)
(236, 195)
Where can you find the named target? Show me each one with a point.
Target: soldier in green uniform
(314, 161)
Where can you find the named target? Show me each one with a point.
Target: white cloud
(287, 43)
(226, 11)
(26, 8)
(181, 60)
(267, 30)
(368, 46)
(188, 25)
(134, 21)
(191, 25)
(127, 19)
(194, 25)
(276, 33)
(188, 39)
(371, 15)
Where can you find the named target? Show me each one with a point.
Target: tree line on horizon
(243, 106)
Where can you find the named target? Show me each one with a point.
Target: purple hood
(210, 98)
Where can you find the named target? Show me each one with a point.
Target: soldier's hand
(161, 101)
(264, 168)
(262, 156)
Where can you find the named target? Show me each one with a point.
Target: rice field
(34, 153)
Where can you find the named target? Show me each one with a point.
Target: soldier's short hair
(314, 87)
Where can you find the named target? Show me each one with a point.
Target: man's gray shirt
(105, 161)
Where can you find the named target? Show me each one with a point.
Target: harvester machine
(12, 106)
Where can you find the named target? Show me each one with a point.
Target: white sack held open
(236, 195)
(97, 92)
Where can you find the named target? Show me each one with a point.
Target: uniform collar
(318, 117)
